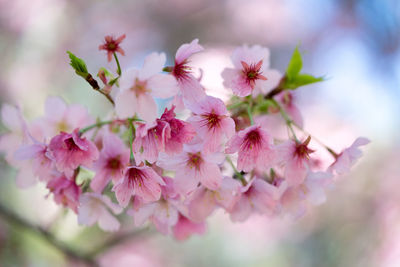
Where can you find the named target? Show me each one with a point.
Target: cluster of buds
(176, 171)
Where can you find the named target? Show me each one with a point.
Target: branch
(13, 218)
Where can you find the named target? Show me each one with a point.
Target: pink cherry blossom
(9, 142)
(189, 86)
(65, 192)
(184, 228)
(111, 45)
(212, 122)
(93, 208)
(257, 196)
(179, 133)
(70, 150)
(114, 157)
(166, 134)
(294, 199)
(255, 149)
(250, 66)
(138, 87)
(296, 158)
(163, 213)
(204, 201)
(143, 182)
(348, 157)
(41, 164)
(192, 167)
(60, 117)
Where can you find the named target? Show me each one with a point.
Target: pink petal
(146, 108)
(186, 50)
(163, 86)
(153, 64)
(126, 104)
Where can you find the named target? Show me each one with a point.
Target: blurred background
(355, 43)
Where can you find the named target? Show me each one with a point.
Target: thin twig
(93, 83)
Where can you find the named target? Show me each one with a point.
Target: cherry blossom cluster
(175, 171)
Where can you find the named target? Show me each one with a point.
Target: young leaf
(79, 65)
(295, 64)
(301, 80)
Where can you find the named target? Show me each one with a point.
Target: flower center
(70, 144)
(114, 163)
(139, 87)
(181, 71)
(135, 176)
(111, 46)
(212, 120)
(252, 139)
(302, 151)
(252, 72)
(194, 160)
(62, 126)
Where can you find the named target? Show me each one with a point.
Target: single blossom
(162, 213)
(41, 163)
(190, 88)
(142, 182)
(69, 150)
(20, 134)
(60, 117)
(212, 122)
(204, 201)
(255, 149)
(179, 133)
(184, 228)
(13, 120)
(111, 45)
(192, 167)
(138, 87)
(93, 208)
(114, 157)
(257, 196)
(166, 134)
(250, 71)
(296, 158)
(348, 157)
(294, 199)
(66, 192)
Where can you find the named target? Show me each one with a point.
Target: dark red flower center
(212, 120)
(252, 139)
(135, 176)
(181, 71)
(252, 72)
(114, 163)
(111, 46)
(302, 151)
(195, 160)
(70, 144)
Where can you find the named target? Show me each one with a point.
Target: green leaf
(301, 80)
(295, 64)
(78, 64)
